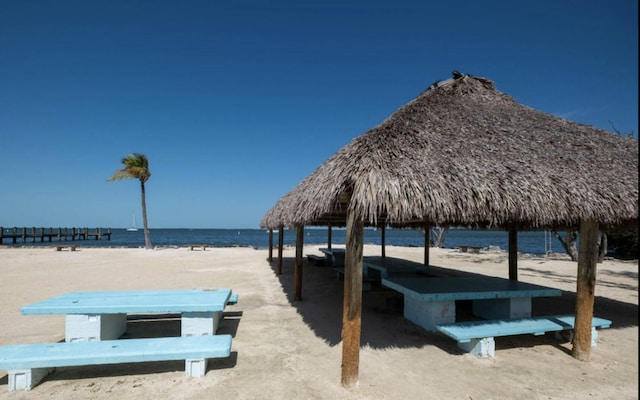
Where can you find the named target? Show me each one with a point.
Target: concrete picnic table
(102, 315)
(383, 267)
(430, 301)
(336, 255)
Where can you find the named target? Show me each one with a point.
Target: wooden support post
(427, 243)
(270, 256)
(513, 252)
(297, 270)
(383, 240)
(585, 291)
(352, 306)
(329, 236)
(280, 245)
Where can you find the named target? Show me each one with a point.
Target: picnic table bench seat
(192, 246)
(466, 248)
(28, 364)
(477, 337)
(60, 247)
(317, 260)
(233, 299)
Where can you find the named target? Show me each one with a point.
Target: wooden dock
(33, 234)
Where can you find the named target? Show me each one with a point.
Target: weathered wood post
(297, 270)
(270, 256)
(383, 240)
(513, 252)
(280, 245)
(427, 229)
(585, 291)
(352, 305)
(329, 236)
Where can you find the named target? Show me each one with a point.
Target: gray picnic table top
(465, 288)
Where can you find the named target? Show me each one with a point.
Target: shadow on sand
(383, 325)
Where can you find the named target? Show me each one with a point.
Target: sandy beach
(292, 349)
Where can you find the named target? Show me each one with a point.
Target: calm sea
(534, 242)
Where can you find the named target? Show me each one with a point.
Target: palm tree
(136, 166)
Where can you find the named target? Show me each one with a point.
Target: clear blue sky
(235, 102)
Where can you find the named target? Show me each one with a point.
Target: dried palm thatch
(465, 153)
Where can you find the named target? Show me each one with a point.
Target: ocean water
(533, 242)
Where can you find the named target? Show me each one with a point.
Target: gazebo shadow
(383, 325)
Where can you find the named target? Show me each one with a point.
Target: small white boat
(133, 228)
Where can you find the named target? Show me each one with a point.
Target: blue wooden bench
(233, 299)
(476, 337)
(28, 364)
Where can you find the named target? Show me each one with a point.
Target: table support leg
(200, 323)
(26, 379)
(86, 327)
(518, 307)
(196, 367)
(428, 314)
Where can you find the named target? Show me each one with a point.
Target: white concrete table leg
(483, 347)
(196, 368)
(26, 379)
(85, 327)
(428, 314)
(200, 323)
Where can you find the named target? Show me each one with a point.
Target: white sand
(285, 349)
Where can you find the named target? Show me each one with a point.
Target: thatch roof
(465, 153)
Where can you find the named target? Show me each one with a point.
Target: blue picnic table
(384, 267)
(335, 255)
(101, 315)
(430, 301)
(95, 320)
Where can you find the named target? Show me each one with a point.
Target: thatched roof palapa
(464, 153)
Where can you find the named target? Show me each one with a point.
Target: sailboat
(133, 228)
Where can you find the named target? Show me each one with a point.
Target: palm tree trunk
(147, 240)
